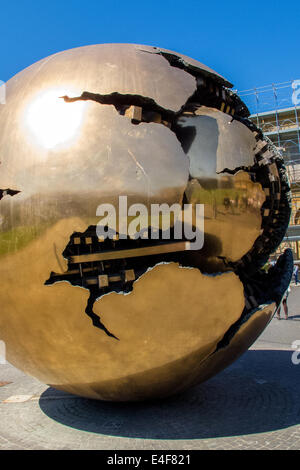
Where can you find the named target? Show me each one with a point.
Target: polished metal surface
(117, 320)
(132, 253)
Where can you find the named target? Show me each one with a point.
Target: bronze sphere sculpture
(127, 318)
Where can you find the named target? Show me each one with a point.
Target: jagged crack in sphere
(124, 318)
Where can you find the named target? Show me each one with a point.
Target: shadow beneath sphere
(258, 393)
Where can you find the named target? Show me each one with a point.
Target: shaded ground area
(254, 404)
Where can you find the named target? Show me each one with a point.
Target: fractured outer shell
(188, 61)
(188, 370)
(162, 340)
(220, 143)
(215, 145)
(244, 337)
(135, 327)
(232, 207)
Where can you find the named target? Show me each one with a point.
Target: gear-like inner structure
(161, 129)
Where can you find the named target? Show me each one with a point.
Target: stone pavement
(253, 404)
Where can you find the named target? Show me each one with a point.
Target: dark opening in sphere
(82, 128)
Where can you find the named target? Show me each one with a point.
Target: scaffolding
(275, 109)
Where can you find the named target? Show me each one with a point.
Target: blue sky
(251, 43)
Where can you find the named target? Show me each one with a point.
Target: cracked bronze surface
(160, 128)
